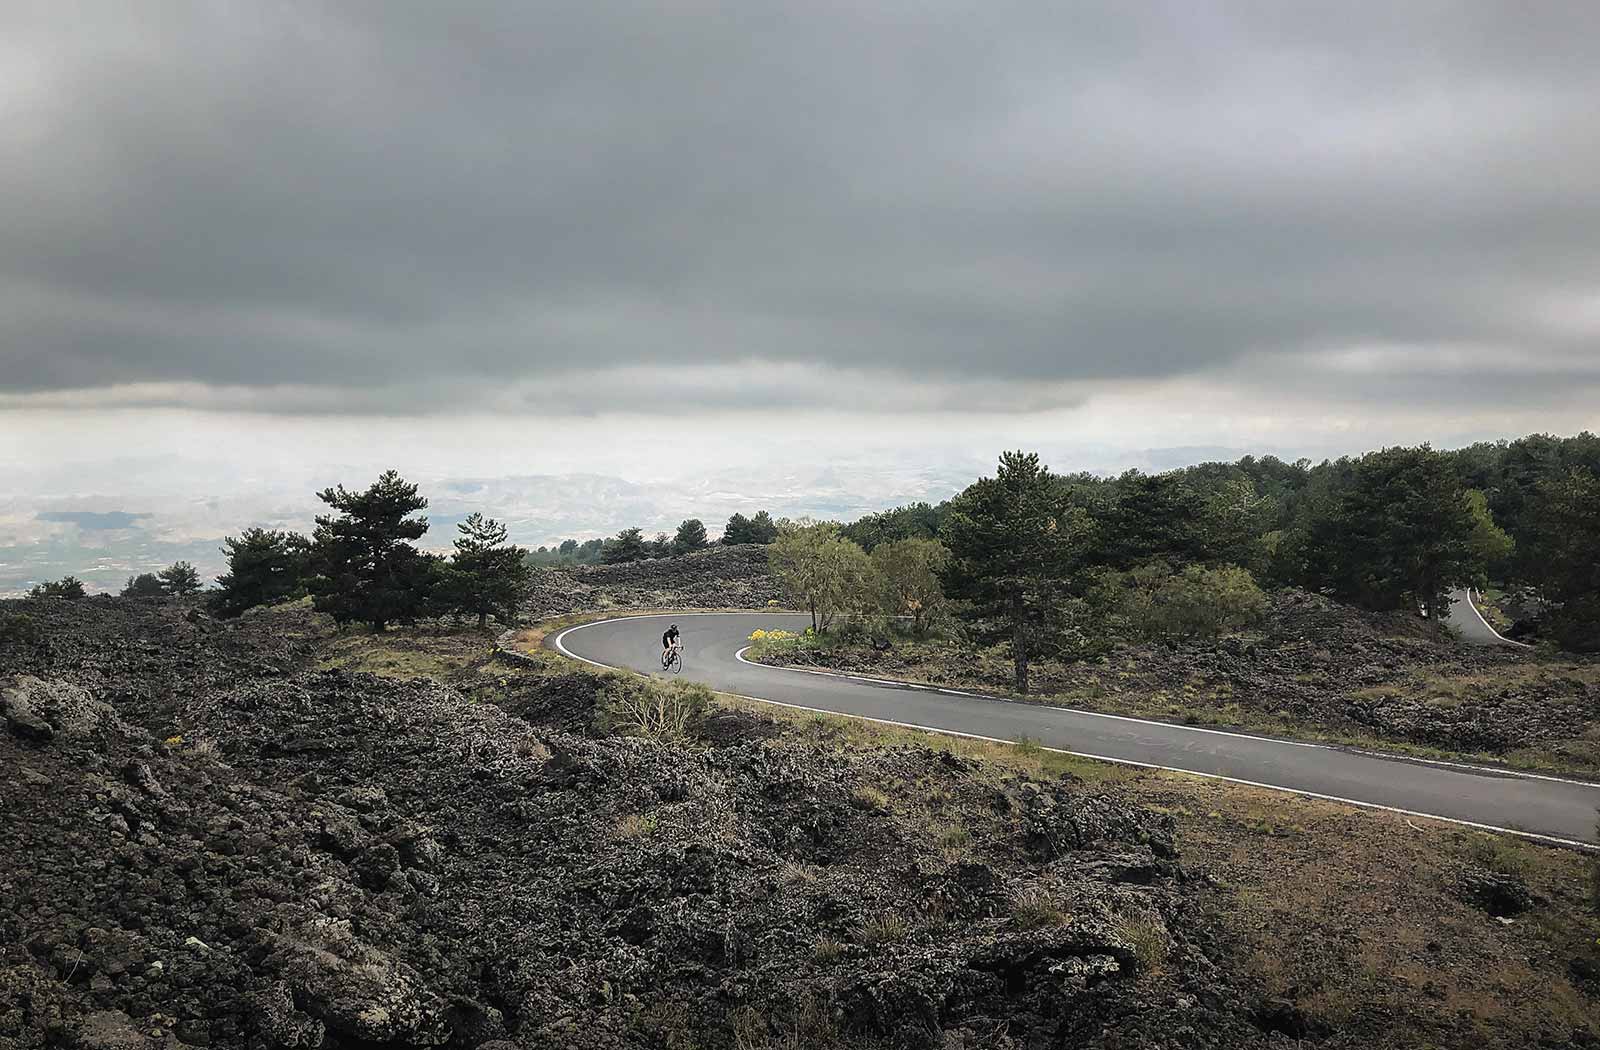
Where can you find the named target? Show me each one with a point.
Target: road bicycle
(672, 660)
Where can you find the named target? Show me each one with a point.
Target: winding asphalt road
(1526, 804)
(1464, 616)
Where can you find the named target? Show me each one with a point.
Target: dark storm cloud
(454, 201)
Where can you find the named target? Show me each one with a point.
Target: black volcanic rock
(239, 851)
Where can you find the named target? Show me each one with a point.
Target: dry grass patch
(883, 928)
(870, 798)
(1147, 936)
(1034, 908)
(635, 826)
(827, 951)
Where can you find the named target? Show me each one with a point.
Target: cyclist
(669, 642)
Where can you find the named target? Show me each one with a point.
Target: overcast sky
(247, 246)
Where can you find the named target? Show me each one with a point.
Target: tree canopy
(365, 566)
(487, 574)
(1013, 544)
(819, 571)
(265, 566)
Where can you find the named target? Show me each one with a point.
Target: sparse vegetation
(635, 826)
(69, 587)
(868, 797)
(1034, 908)
(826, 950)
(810, 1025)
(883, 928)
(954, 837)
(144, 585)
(180, 579)
(1148, 937)
(634, 706)
(19, 628)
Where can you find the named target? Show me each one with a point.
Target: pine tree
(487, 575)
(691, 536)
(179, 578)
(627, 545)
(1013, 542)
(1564, 518)
(264, 566)
(69, 587)
(759, 529)
(366, 570)
(762, 528)
(144, 585)
(736, 531)
(1402, 533)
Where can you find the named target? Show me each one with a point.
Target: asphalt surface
(1471, 625)
(1522, 803)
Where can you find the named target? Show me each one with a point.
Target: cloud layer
(400, 207)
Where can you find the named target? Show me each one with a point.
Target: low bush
(67, 587)
(764, 643)
(659, 710)
(1198, 602)
(19, 627)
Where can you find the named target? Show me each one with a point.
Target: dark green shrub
(144, 585)
(69, 587)
(1198, 602)
(19, 628)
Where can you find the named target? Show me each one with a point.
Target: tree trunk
(378, 626)
(483, 619)
(1019, 645)
(814, 618)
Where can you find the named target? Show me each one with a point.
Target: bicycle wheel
(675, 662)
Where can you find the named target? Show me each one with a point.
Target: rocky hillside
(715, 578)
(205, 842)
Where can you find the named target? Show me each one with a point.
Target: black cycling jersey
(670, 636)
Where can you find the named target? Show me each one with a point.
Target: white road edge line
(1488, 626)
(559, 642)
(1046, 707)
(1365, 752)
(1188, 772)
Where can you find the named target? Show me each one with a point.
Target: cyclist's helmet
(674, 627)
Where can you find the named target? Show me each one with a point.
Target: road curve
(1464, 616)
(1525, 804)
